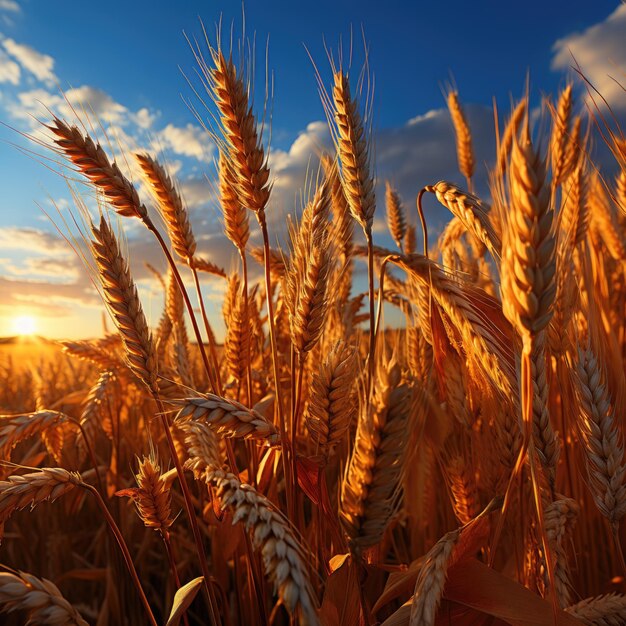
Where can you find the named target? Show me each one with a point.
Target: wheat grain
(171, 205)
(91, 160)
(371, 489)
(353, 153)
(28, 490)
(227, 417)
(39, 598)
(608, 610)
(464, 148)
(121, 297)
(283, 557)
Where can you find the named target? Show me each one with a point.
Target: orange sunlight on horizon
(83, 324)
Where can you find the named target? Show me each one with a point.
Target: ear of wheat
(371, 490)
(464, 147)
(284, 558)
(28, 490)
(91, 160)
(39, 598)
(123, 301)
(228, 418)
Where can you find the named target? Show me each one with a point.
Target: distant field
(25, 353)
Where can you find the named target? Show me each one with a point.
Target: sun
(24, 325)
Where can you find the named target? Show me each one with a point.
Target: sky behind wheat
(132, 68)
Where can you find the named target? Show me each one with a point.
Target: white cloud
(197, 192)
(144, 118)
(58, 269)
(32, 240)
(9, 5)
(9, 70)
(601, 54)
(39, 65)
(420, 152)
(190, 141)
(87, 102)
(96, 103)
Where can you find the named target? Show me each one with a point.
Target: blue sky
(126, 62)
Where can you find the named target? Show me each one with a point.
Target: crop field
(317, 466)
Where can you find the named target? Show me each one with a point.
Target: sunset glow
(24, 325)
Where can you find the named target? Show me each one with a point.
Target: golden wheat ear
(464, 146)
(152, 496)
(227, 417)
(245, 150)
(284, 558)
(171, 205)
(28, 490)
(121, 297)
(560, 137)
(39, 598)
(353, 153)
(371, 492)
(609, 609)
(90, 159)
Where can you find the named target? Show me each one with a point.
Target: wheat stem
(124, 548)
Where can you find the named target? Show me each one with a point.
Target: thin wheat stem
(173, 567)
(371, 360)
(618, 546)
(90, 452)
(188, 304)
(124, 548)
(246, 314)
(420, 213)
(277, 386)
(209, 331)
(193, 522)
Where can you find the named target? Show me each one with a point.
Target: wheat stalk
(603, 444)
(560, 137)
(471, 211)
(17, 428)
(560, 517)
(332, 405)
(245, 150)
(353, 154)
(238, 338)
(152, 496)
(99, 351)
(431, 580)
(235, 214)
(371, 490)
(395, 215)
(509, 134)
(203, 448)
(528, 265)
(307, 275)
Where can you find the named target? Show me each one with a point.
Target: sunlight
(24, 325)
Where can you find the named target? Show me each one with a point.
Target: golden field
(316, 468)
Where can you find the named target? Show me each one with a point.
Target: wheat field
(318, 467)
